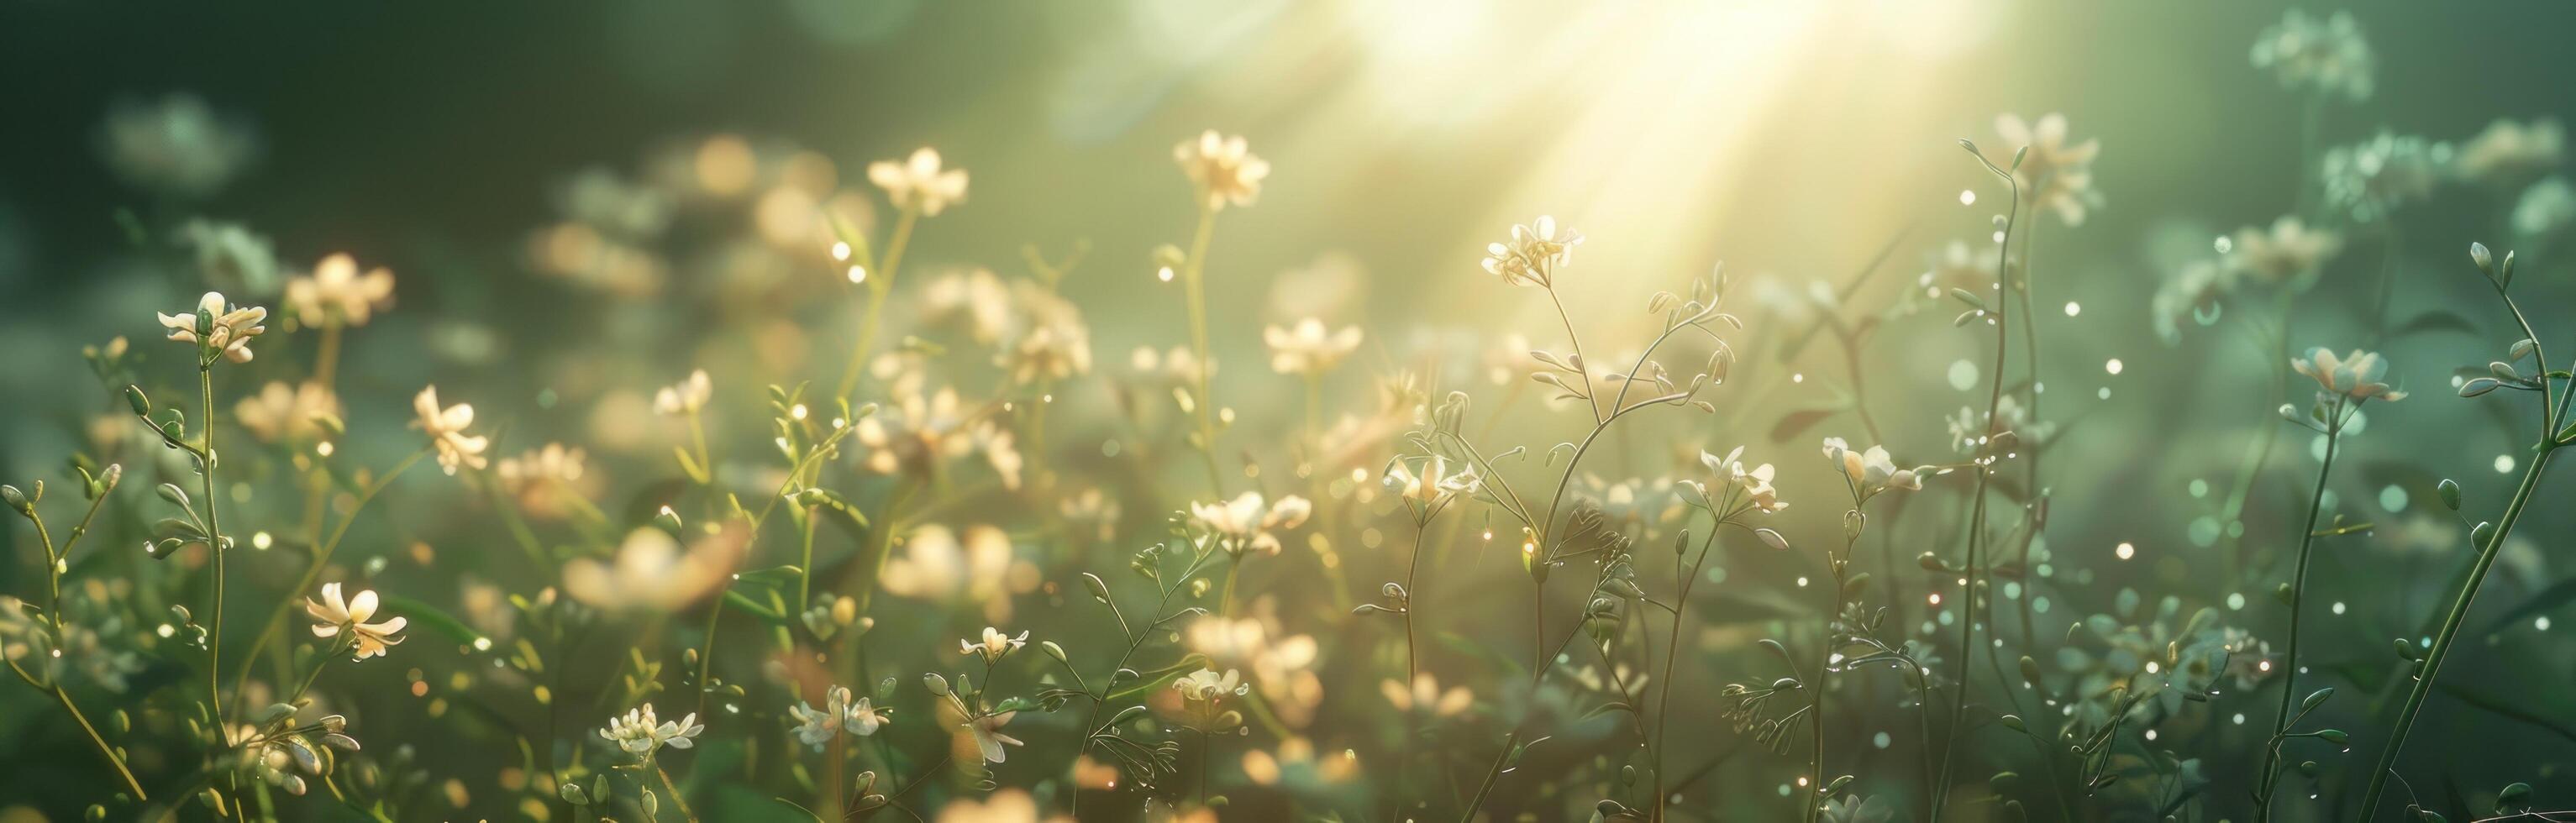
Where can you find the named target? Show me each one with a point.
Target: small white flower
(1872, 471)
(1425, 695)
(1432, 482)
(1205, 684)
(337, 292)
(446, 428)
(334, 615)
(287, 413)
(2355, 375)
(1533, 254)
(1755, 481)
(229, 330)
(989, 739)
(685, 397)
(2329, 55)
(919, 183)
(1223, 168)
(816, 727)
(2054, 174)
(1309, 349)
(2289, 249)
(995, 644)
(2511, 153)
(1246, 524)
(641, 734)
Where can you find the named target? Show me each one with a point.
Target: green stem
(2270, 775)
(2450, 631)
(321, 557)
(1194, 291)
(1977, 515)
(677, 798)
(214, 544)
(880, 284)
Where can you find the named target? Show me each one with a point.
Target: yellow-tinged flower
(1872, 471)
(336, 292)
(1755, 480)
(2510, 153)
(994, 645)
(1245, 523)
(1532, 256)
(1309, 349)
(1425, 695)
(547, 481)
(1205, 684)
(334, 615)
(289, 413)
(2290, 248)
(918, 183)
(229, 328)
(2355, 375)
(2054, 175)
(686, 396)
(652, 572)
(446, 428)
(1223, 168)
(2329, 55)
(839, 715)
(640, 733)
(989, 739)
(1004, 806)
(1432, 482)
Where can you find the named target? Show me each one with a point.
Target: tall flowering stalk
(2487, 537)
(2345, 384)
(220, 332)
(1222, 171)
(1984, 467)
(917, 187)
(96, 490)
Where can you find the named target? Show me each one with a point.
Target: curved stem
(2450, 631)
(2298, 600)
(321, 557)
(1977, 514)
(880, 284)
(214, 545)
(1194, 295)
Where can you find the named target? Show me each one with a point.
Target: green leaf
(744, 602)
(2436, 320)
(425, 615)
(1151, 680)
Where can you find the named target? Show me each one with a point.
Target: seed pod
(2449, 490)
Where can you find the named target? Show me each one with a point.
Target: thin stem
(1194, 293)
(321, 557)
(2270, 776)
(1491, 774)
(1672, 652)
(1968, 613)
(327, 362)
(1413, 668)
(113, 759)
(677, 797)
(214, 544)
(1576, 340)
(2450, 631)
(880, 284)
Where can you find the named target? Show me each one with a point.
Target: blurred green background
(1791, 141)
